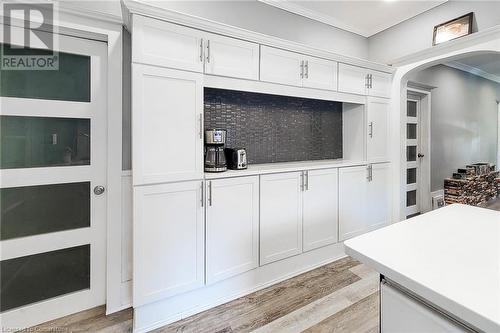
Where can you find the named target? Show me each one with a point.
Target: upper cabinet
(165, 44)
(294, 69)
(363, 81)
(377, 141)
(167, 125)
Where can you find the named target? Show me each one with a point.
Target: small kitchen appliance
(236, 158)
(215, 159)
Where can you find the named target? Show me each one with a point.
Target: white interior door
(53, 157)
(413, 156)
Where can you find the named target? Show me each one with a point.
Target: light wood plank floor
(338, 297)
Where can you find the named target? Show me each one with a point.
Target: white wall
(463, 120)
(259, 17)
(416, 34)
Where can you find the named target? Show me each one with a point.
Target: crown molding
(147, 9)
(317, 16)
(450, 46)
(473, 70)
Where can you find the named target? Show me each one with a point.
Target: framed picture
(459, 27)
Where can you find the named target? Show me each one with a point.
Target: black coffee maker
(215, 160)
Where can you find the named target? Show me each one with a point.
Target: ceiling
(365, 18)
(484, 65)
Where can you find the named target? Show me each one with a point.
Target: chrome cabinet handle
(307, 181)
(210, 193)
(201, 126)
(368, 172)
(202, 194)
(307, 69)
(302, 180)
(370, 126)
(371, 81)
(201, 50)
(208, 51)
(367, 81)
(302, 69)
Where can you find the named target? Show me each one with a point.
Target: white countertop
(261, 169)
(450, 257)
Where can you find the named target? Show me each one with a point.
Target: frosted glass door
(52, 162)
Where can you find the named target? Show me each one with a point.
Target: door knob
(420, 155)
(99, 189)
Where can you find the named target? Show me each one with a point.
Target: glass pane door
(52, 155)
(412, 156)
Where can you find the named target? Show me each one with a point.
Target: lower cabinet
(232, 227)
(320, 213)
(364, 199)
(298, 212)
(168, 240)
(280, 216)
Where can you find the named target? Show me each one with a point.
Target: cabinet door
(352, 201)
(378, 129)
(380, 84)
(280, 216)
(352, 79)
(231, 57)
(320, 222)
(167, 115)
(379, 196)
(168, 240)
(165, 44)
(232, 227)
(320, 73)
(280, 66)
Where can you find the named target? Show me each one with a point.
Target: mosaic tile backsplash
(276, 128)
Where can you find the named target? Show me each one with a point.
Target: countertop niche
(275, 128)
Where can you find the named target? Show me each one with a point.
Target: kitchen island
(440, 271)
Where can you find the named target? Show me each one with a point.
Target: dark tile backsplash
(276, 128)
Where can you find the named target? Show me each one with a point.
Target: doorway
(53, 180)
(417, 139)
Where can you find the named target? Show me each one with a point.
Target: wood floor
(338, 297)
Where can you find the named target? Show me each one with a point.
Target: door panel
(162, 97)
(379, 198)
(320, 209)
(280, 66)
(352, 79)
(232, 227)
(168, 240)
(53, 153)
(231, 57)
(380, 84)
(320, 74)
(165, 44)
(353, 201)
(378, 130)
(280, 216)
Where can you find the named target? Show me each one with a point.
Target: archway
(485, 42)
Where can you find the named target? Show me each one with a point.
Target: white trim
(473, 70)
(332, 21)
(453, 46)
(150, 10)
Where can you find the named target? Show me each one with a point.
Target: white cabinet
(280, 66)
(380, 84)
(352, 79)
(232, 227)
(231, 57)
(290, 68)
(165, 44)
(320, 216)
(319, 73)
(364, 199)
(363, 81)
(280, 216)
(377, 144)
(167, 116)
(168, 240)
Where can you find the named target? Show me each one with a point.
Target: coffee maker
(215, 160)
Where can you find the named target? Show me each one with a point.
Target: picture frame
(453, 29)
